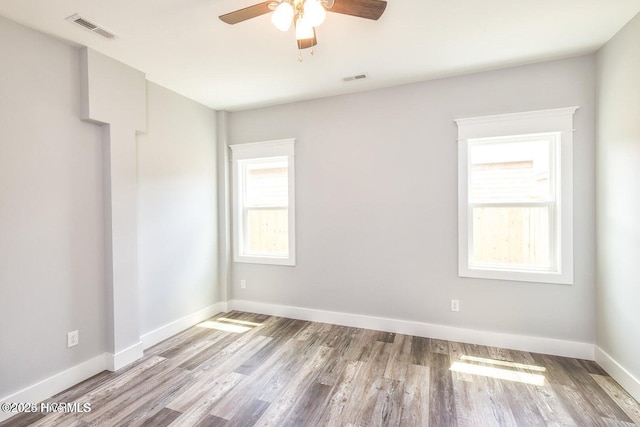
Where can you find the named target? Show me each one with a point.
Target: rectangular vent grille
(85, 23)
(88, 25)
(356, 77)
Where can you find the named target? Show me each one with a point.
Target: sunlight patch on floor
(223, 326)
(497, 373)
(227, 324)
(504, 363)
(239, 322)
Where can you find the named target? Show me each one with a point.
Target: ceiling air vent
(88, 25)
(356, 77)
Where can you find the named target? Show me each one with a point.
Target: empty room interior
(320, 212)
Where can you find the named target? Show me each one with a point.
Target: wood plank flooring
(244, 369)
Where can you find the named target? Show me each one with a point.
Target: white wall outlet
(243, 284)
(73, 339)
(455, 305)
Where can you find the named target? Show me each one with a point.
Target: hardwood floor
(243, 369)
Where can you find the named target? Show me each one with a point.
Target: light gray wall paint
(51, 212)
(376, 203)
(177, 213)
(224, 205)
(52, 243)
(618, 197)
(114, 95)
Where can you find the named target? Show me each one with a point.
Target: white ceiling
(182, 45)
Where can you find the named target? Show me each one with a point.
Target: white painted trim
(524, 123)
(256, 150)
(124, 357)
(618, 372)
(535, 344)
(55, 384)
(170, 329)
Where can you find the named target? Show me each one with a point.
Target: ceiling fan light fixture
(282, 16)
(314, 13)
(306, 15)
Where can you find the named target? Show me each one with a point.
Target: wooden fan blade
(246, 13)
(369, 9)
(307, 43)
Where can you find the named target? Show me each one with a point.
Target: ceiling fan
(306, 15)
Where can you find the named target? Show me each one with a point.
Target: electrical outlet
(72, 339)
(243, 284)
(455, 305)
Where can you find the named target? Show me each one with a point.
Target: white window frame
(560, 121)
(258, 151)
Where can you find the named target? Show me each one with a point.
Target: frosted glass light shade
(282, 16)
(303, 30)
(314, 13)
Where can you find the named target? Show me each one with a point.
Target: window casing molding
(256, 153)
(520, 125)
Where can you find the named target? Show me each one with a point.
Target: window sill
(518, 276)
(290, 261)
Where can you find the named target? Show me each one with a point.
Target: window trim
(559, 120)
(258, 151)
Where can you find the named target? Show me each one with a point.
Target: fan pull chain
(300, 57)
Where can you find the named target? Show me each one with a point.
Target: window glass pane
(267, 231)
(510, 171)
(511, 236)
(266, 183)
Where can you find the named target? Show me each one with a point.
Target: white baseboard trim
(55, 384)
(170, 329)
(580, 350)
(124, 357)
(618, 372)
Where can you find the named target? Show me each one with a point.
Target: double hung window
(515, 196)
(263, 202)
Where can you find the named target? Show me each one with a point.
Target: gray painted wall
(618, 197)
(177, 213)
(51, 212)
(376, 203)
